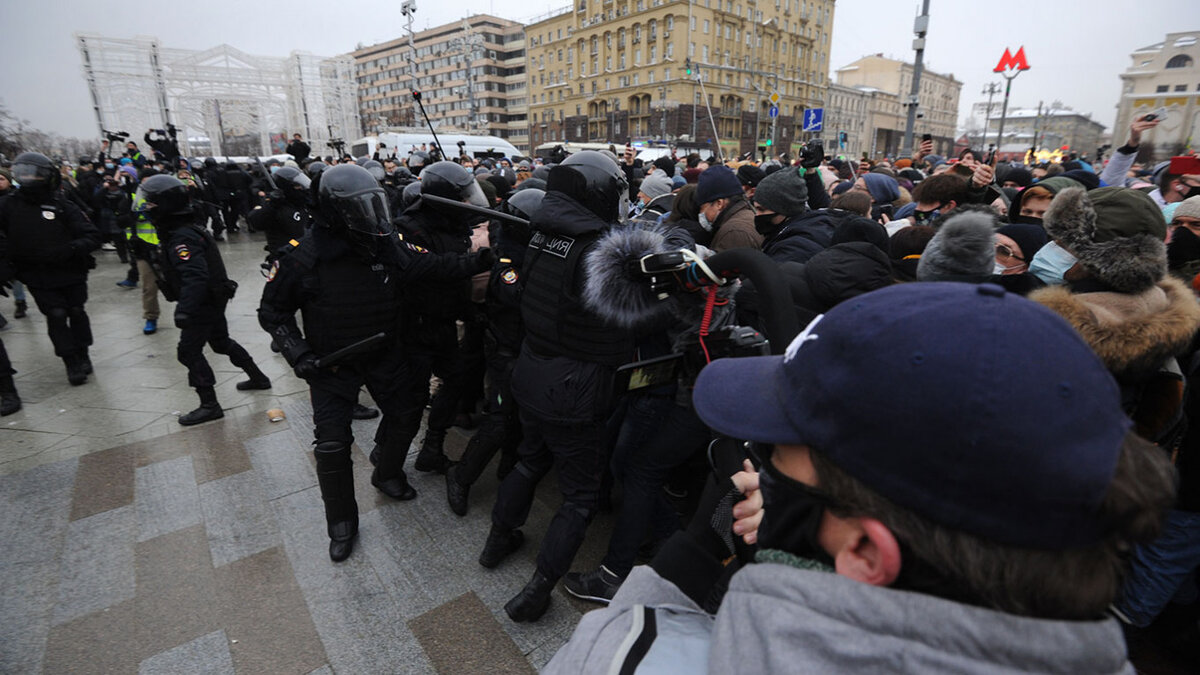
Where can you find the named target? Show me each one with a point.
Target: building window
(706, 26)
(692, 24)
(1180, 61)
(1161, 88)
(1181, 87)
(670, 23)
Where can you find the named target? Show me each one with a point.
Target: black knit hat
(783, 192)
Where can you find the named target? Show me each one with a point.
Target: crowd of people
(984, 422)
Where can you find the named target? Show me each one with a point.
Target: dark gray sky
(1075, 47)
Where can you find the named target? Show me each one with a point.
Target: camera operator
(298, 149)
(929, 533)
(165, 144)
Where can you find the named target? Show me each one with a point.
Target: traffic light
(687, 65)
(769, 142)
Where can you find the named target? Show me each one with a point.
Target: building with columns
(617, 70)
(1163, 75)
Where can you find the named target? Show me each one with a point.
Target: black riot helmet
(523, 204)
(452, 181)
(166, 201)
(595, 181)
(37, 175)
(293, 184)
(349, 197)
(314, 169)
(411, 193)
(375, 168)
(401, 176)
(417, 161)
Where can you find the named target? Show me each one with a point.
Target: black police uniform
(194, 275)
(348, 287)
(10, 401)
(563, 382)
(49, 245)
(500, 427)
(281, 222)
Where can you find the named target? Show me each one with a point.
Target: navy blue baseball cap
(974, 408)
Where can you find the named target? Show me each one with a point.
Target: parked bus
(401, 145)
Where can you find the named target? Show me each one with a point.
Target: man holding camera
(904, 533)
(298, 149)
(164, 145)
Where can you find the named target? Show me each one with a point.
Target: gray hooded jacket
(778, 619)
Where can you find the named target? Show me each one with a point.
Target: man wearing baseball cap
(948, 484)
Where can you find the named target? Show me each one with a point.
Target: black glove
(811, 155)
(275, 196)
(485, 258)
(306, 367)
(182, 319)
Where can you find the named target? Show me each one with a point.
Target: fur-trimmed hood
(1132, 333)
(1124, 253)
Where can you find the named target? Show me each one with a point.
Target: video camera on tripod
(115, 136)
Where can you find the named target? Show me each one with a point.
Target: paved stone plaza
(135, 545)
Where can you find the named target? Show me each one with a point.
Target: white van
(401, 145)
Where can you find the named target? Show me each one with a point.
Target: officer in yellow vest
(143, 244)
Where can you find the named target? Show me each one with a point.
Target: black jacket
(800, 238)
(299, 150)
(49, 245)
(281, 222)
(194, 272)
(309, 279)
(435, 299)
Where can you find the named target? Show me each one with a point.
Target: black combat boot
(457, 494)
(431, 457)
(362, 412)
(10, 402)
(501, 543)
(209, 409)
(335, 475)
(258, 379)
(389, 477)
(533, 600)
(76, 375)
(85, 362)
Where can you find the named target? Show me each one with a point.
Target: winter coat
(734, 228)
(800, 238)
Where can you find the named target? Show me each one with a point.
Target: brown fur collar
(1132, 333)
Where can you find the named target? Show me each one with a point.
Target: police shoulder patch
(414, 247)
(509, 276)
(273, 271)
(183, 252)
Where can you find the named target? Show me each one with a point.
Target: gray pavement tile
(36, 505)
(177, 595)
(99, 422)
(237, 518)
(25, 449)
(359, 624)
(409, 566)
(166, 497)
(265, 616)
(282, 464)
(97, 564)
(462, 636)
(104, 481)
(102, 642)
(207, 655)
(323, 670)
(26, 600)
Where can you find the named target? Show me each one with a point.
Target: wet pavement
(133, 544)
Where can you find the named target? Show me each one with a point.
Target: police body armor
(220, 286)
(556, 321)
(353, 298)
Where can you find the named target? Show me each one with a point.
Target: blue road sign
(814, 118)
(774, 111)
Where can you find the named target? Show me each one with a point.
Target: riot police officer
(193, 275)
(434, 307)
(346, 278)
(49, 244)
(500, 428)
(285, 215)
(564, 377)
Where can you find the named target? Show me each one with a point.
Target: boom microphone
(615, 288)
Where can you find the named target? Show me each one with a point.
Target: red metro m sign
(1012, 62)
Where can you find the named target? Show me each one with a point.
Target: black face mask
(792, 514)
(763, 224)
(925, 217)
(1184, 248)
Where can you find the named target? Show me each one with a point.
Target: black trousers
(335, 391)
(422, 360)
(579, 451)
(66, 321)
(210, 329)
(5, 365)
(500, 428)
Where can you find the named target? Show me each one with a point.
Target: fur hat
(963, 249)
(1116, 233)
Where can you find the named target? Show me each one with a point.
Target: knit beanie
(963, 249)
(1019, 175)
(1116, 233)
(692, 175)
(666, 165)
(783, 192)
(717, 182)
(1031, 238)
(1188, 208)
(656, 185)
(6, 173)
(750, 175)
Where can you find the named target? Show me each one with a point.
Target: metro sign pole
(1010, 66)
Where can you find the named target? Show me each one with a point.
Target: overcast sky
(1076, 47)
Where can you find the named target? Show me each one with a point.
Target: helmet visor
(473, 194)
(365, 212)
(31, 176)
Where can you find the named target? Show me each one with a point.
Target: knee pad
(76, 313)
(57, 313)
(332, 455)
(583, 512)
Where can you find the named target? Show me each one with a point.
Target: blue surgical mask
(1051, 263)
(705, 223)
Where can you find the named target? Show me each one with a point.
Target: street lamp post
(408, 9)
(991, 90)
